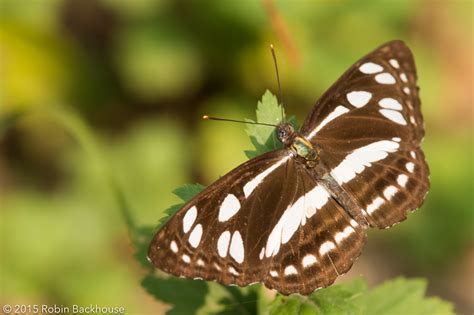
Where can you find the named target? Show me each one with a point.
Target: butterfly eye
(285, 133)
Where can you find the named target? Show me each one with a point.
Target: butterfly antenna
(206, 117)
(278, 80)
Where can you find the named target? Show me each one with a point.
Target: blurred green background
(91, 88)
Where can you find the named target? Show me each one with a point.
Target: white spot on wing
(394, 63)
(406, 90)
(413, 154)
(326, 247)
(354, 223)
(402, 180)
(390, 103)
(340, 236)
(403, 76)
(273, 273)
(410, 167)
(195, 236)
(389, 192)
(174, 247)
(236, 249)
(338, 111)
(189, 219)
(385, 78)
(229, 207)
(376, 203)
(186, 258)
(355, 162)
(262, 253)
(200, 262)
(370, 68)
(251, 185)
(233, 271)
(412, 120)
(308, 260)
(397, 139)
(223, 243)
(359, 98)
(294, 216)
(290, 270)
(393, 116)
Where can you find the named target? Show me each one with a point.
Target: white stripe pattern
(389, 192)
(290, 270)
(390, 103)
(338, 111)
(294, 216)
(402, 180)
(394, 116)
(195, 236)
(236, 249)
(229, 207)
(189, 219)
(326, 247)
(375, 205)
(385, 78)
(355, 162)
(308, 261)
(340, 236)
(370, 68)
(223, 244)
(250, 186)
(358, 98)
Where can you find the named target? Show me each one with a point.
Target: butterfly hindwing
(280, 235)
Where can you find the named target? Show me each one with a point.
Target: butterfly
(296, 218)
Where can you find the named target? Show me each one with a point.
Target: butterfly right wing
(266, 221)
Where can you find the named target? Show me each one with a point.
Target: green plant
(397, 296)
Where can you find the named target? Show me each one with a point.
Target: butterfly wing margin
(387, 72)
(195, 242)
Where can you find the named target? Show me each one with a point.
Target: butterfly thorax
(296, 142)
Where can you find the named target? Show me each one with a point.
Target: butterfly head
(285, 133)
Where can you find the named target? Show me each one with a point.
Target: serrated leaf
(404, 296)
(184, 296)
(188, 191)
(185, 193)
(263, 137)
(339, 299)
(399, 296)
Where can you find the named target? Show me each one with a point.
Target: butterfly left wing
(266, 221)
(369, 127)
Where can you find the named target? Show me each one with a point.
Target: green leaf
(404, 296)
(185, 296)
(399, 296)
(239, 301)
(263, 137)
(188, 191)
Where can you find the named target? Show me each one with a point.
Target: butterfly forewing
(296, 223)
(371, 140)
(380, 86)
